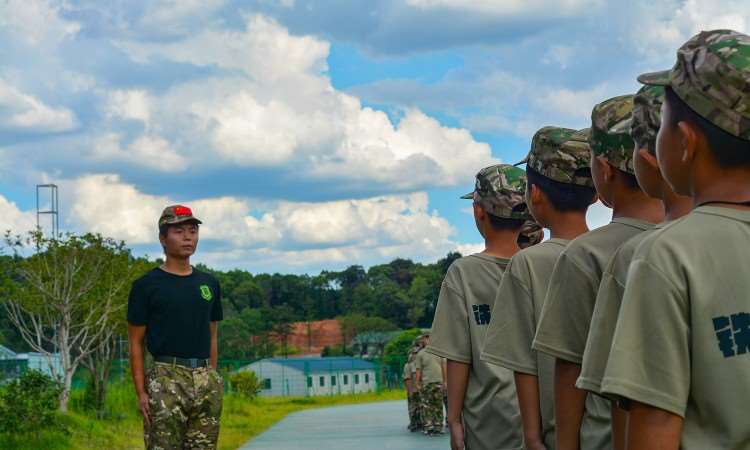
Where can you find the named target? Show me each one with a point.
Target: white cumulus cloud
(13, 219)
(23, 112)
(508, 7)
(300, 233)
(279, 109)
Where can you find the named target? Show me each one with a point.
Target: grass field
(241, 420)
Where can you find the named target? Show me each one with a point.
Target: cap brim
(655, 78)
(524, 161)
(469, 196)
(188, 219)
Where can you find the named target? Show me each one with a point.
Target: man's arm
(527, 389)
(651, 428)
(619, 427)
(136, 334)
(214, 344)
(407, 385)
(458, 379)
(570, 404)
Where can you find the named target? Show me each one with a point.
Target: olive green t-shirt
(682, 341)
(518, 305)
(492, 420)
(568, 306)
(431, 367)
(606, 309)
(407, 371)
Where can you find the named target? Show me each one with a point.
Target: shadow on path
(372, 426)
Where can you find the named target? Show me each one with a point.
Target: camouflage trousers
(432, 407)
(185, 408)
(414, 419)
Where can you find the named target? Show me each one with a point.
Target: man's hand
(143, 405)
(457, 435)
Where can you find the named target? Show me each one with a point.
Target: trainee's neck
(675, 206)
(503, 244)
(567, 225)
(731, 186)
(179, 266)
(638, 205)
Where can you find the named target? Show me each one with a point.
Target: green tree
(396, 351)
(66, 297)
(418, 297)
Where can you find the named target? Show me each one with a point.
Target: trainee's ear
(478, 211)
(648, 157)
(535, 194)
(691, 138)
(606, 168)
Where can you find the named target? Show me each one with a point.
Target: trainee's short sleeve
(511, 332)
(564, 323)
(599, 342)
(649, 360)
(217, 312)
(138, 303)
(451, 335)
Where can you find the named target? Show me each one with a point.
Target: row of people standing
(425, 380)
(633, 335)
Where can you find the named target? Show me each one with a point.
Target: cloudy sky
(307, 134)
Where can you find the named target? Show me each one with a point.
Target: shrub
(245, 383)
(29, 404)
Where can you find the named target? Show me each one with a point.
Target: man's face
(670, 152)
(181, 240)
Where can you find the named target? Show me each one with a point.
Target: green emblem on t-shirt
(206, 292)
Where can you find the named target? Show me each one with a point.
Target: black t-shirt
(177, 311)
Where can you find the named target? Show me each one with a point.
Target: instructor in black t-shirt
(176, 308)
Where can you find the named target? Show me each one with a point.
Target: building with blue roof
(305, 377)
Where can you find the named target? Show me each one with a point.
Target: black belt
(191, 363)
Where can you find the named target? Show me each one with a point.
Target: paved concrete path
(372, 426)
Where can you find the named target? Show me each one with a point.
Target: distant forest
(258, 308)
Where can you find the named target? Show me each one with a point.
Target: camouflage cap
(560, 153)
(712, 76)
(177, 214)
(500, 190)
(531, 234)
(647, 116)
(610, 132)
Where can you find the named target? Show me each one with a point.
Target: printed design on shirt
(206, 293)
(482, 314)
(733, 334)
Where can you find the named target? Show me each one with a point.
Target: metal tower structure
(53, 211)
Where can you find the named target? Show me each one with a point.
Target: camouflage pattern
(647, 117)
(185, 407)
(416, 409)
(175, 214)
(413, 396)
(432, 408)
(499, 189)
(712, 76)
(560, 153)
(531, 234)
(413, 401)
(610, 132)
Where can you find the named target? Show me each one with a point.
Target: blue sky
(308, 135)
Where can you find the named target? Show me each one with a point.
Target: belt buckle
(193, 363)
